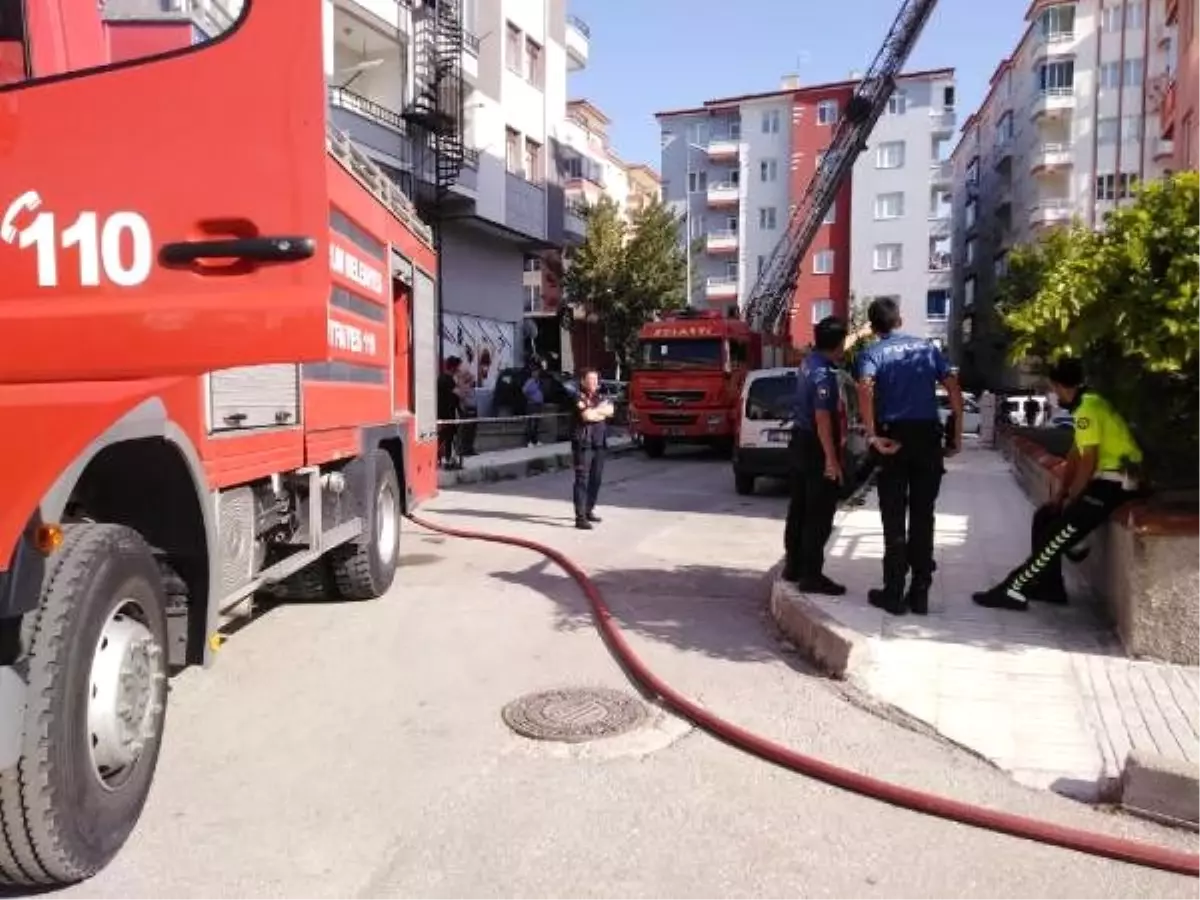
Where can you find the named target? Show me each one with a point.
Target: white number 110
(99, 248)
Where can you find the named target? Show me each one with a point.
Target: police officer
(1101, 474)
(898, 377)
(588, 440)
(816, 469)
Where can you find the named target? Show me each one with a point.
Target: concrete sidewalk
(1047, 695)
(522, 462)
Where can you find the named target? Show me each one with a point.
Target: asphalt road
(358, 750)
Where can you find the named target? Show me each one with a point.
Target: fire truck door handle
(259, 249)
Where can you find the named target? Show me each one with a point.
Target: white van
(764, 429)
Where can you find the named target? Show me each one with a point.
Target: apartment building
(645, 187)
(1069, 125)
(506, 201)
(735, 169)
(1177, 91)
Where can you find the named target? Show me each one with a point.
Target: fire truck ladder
(772, 293)
(438, 103)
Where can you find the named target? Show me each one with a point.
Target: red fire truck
(218, 339)
(687, 379)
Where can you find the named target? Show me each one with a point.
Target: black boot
(820, 584)
(890, 600)
(917, 599)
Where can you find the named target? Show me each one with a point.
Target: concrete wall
(482, 275)
(909, 125)
(773, 148)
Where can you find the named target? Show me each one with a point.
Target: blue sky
(652, 55)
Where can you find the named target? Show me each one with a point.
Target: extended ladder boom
(772, 293)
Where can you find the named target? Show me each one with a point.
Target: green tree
(627, 275)
(1125, 299)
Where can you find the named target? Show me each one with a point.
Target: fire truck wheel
(364, 568)
(97, 674)
(655, 447)
(311, 583)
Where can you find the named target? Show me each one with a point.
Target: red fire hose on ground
(897, 795)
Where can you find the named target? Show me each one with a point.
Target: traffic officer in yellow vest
(1101, 474)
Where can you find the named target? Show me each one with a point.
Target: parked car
(764, 429)
(971, 417)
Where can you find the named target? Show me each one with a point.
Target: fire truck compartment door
(168, 215)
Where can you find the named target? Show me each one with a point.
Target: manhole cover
(573, 714)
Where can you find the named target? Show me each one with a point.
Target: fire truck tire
(97, 673)
(365, 568)
(743, 482)
(313, 582)
(655, 447)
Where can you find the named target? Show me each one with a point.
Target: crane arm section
(771, 295)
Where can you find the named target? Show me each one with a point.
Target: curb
(1162, 789)
(551, 461)
(836, 650)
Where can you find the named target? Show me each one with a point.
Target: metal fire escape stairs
(771, 296)
(437, 107)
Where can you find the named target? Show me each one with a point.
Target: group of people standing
(457, 412)
(898, 375)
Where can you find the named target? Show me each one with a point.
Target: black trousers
(446, 435)
(908, 486)
(589, 472)
(811, 509)
(1055, 531)
(533, 426)
(466, 433)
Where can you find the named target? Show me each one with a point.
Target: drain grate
(574, 715)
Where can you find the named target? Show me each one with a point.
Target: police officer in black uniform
(898, 378)
(816, 466)
(588, 439)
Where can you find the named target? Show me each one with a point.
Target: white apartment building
(1069, 124)
(508, 201)
(734, 169)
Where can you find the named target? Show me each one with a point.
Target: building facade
(1069, 125)
(1178, 100)
(735, 170)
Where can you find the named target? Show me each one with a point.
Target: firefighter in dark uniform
(898, 377)
(588, 439)
(816, 468)
(1101, 474)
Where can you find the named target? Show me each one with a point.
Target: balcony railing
(726, 238)
(1051, 153)
(471, 42)
(724, 144)
(1054, 209)
(942, 119)
(725, 192)
(723, 285)
(941, 170)
(939, 261)
(369, 109)
(579, 25)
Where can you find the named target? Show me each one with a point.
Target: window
(698, 133)
(1000, 265)
(897, 103)
(1004, 128)
(821, 309)
(1057, 77)
(697, 182)
(533, 161)
(971, 252)
(1112, 187)
(971, 213)
(1133, 72)
(731, 224)
(762, 262)
(1131, 128)
(889, 155)
(731, 269)
(889, 206)
(770, 121)
(768, 169)
(831, 216)
(827, 112)
(1106, 130)
(533, 263)
(937, 304)
(1057, 22)
(948, 97)
(1134, 15)
(766, 218)
(888, 257)
(1110, 19)
(512, 48)
(512, 150)
(533, 63)
(968, 293)
(823, 262)
(533, 298)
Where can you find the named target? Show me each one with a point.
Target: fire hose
(652, 686)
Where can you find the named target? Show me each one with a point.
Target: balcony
(1055, 211)
(525, 206)
(1051, 155)
(721, 242)
(723, 194)
(1164, 149)
(1166, 112)
(724, 146)
(942, 121)
(574, 224)
(1172, 12)
(939, 261)
(939, 224)
(941, 172)
(579, 38)
(470, 57)
(1054, 44)
(1002, 152)
(1053, 102)
(721, 287)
